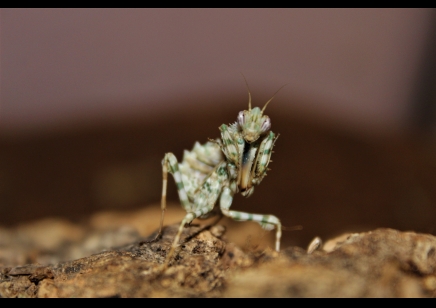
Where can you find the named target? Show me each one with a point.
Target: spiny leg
(232, 144)
(263, 157)
(170, 164)
(187, 220)
(268, 222)
(204, 201)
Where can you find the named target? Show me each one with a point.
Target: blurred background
(91, 99)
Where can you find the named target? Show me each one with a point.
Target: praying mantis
(215, 171)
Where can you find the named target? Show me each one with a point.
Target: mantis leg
(170, 164)
(268, 222)
(204, 201)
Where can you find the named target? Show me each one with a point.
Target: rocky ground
(104, 257)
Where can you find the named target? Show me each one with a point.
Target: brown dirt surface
(62, 259)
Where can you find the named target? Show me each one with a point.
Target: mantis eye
(241, 118)
(266, 125)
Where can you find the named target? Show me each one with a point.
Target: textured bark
(380, 263)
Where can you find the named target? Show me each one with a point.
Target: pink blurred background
(66, 66)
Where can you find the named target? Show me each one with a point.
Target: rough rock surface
(88, 262)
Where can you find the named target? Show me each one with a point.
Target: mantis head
(253, 123)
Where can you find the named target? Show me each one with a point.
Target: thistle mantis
(218, 169)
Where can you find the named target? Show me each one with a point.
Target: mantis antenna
(249, 94)
(266, 104)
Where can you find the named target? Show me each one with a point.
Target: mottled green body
(221, 168)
